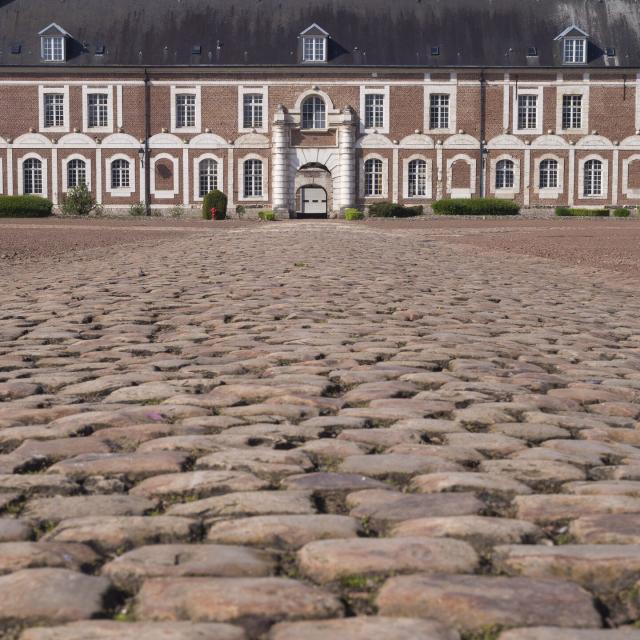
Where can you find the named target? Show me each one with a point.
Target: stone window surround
(66, 161)
(45, 176)
(405, 181)
(605, 177)
(385, 177)
(548, 192)
(262, 90)
(529, 91)
(626, 191)
(384, 90)
(86, 90)
(509, 192)
(331, 113)
(471, 162)
(125, 192)
(573, 90)
(265, 179)
(196, 91)
(42, 91)
(196, 174)
(448, 88)
(167, 193)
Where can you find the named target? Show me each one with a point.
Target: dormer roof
(572, 32)
(315, 30)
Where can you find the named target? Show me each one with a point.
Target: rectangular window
(313, 49)
(374, 110)
(97, 110)
(54, 110)
(527, 112)
(571, 112)
(252, 111)
(53, 49)
(574, 50)
(439, 111)
(252, 178)
(185, 110)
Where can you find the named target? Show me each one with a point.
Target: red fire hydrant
(214, 213)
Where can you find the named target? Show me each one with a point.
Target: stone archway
(313, 184)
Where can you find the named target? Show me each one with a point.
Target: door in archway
(313, 201)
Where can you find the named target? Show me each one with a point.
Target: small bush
(393, 210)
(476, 207)
(268, 216)
(137, 209)
(25, 207)
(582, 213)
(215, 199)
(240, 211)
(621, 213)
(176, 211)
(98, 211)
(78, 201)
(353, 214)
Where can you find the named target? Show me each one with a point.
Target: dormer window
(53, 43)
(574, 45)
(314, 44)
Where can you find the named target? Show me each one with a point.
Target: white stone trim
(572, 90)
(194, 90)
(45, 174)
(120, 108)
(529, 91)
(375, 90)
(458, 192)
(405, 177)
(449, 89)
(42, 91)
(65, 162)
(548, 193)
(265, 179)
(1, 177)
(263, 90)
(167, 193)
(121, 192)
(314, 92)
(385, 177)
(504, 192)
(86, 90)
(506, 101)
(605, 177)
(626, 191)
(196, 173)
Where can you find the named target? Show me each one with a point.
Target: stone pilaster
(347, 158)
(280, 164)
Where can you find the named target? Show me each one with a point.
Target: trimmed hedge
(621, 213)
(353, 214)
(582, 213)
(268, 216)
(25, 207)
(393, 210)
(215, 199)
(475, 207)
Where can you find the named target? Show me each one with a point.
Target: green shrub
(393, 210)
(240, 211)
(176, 211)
(78, 201)
(138, 209)
(25, 207)
(476, 207)
(353, 214)
(269, 216)
(582, 213)
(621, 213)
(215, 199)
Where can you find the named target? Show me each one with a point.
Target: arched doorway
(314, 191)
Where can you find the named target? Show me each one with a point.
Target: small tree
(78, 201)
(215, 199)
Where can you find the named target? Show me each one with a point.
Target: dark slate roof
(382, 33)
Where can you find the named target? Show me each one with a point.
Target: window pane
(439, 111)
(374, 110)
(252, 111)
(373, 177)
(549, 174)
(185, 110)
(313, 49)
(527, 112)
(208, 176)
(76, 173)
(417, 178)
(571, 112)
(120, 174)
(32, 182)
(98, 110)
(252, 178)
(313, 113)
(505, 174)
(53, 110)
(593, 178)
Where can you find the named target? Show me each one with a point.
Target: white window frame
(248, 90)
(194, 91)
(551, 193)
(385, 177)
(429, 178)
(441, 89)
(88, 90)
(42, 91)
(265, 179)
(380, 90)
(461, 192)
(165, 194)
(122, 192)
(571, 43)
(573, 90)
(529, 91)
(505, 192)
(63, 46)
(314, 96)
(631, 193)
(605, 177)
(196, 174)
(65, 176)
(315, 39)
(45, 174)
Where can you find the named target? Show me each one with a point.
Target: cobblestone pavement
(319, 432)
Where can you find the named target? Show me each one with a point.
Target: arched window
(417, 178)
(120, 178)
(592, 178)
(314, 113)
(373, 177)
(505, 174)
(208, 176)
(32, 177)
(252, 178)
(549, 174)
(76, 173)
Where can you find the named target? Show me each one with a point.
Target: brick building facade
(556, 122)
